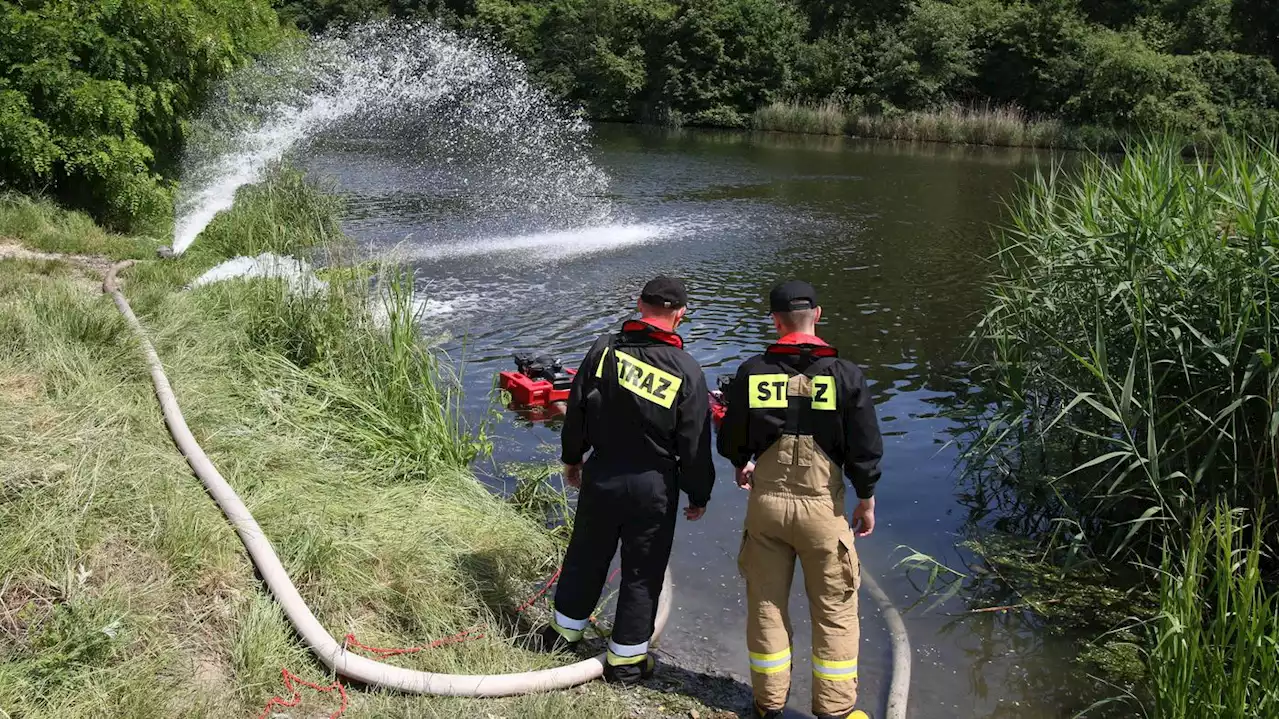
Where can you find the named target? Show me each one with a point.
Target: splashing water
(553, 245)
(438, 97)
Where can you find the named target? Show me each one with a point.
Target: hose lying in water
(900, 678)
(326, 648)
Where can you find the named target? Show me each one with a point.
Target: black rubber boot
(630, 674)
(549, 640)
(758, 713)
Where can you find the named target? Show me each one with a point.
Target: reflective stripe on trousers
(623, 654)
(771, 663)
(835, 671)
(571, 629)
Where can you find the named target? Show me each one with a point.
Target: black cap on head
(663, 291)
(792, 295)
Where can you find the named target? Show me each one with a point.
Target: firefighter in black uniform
(799, 421)
(639, 404)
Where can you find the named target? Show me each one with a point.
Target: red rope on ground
(351, 642)
(289, 679)
(541, 592)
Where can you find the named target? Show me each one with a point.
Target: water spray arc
(449, 105)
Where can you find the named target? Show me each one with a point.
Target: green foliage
(724, 57)
(1216, 635)
(1241, 88)
(283, 213)
(1193, 66)
(92, 94)
(1125, 83)
(1132, 332)
(359, 362)
(595, 52)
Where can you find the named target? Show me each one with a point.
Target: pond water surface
(895, 237)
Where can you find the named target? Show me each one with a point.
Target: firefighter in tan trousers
(806, 418)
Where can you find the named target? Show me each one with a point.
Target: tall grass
(823, 119)
(356, 352)
(1215, 638)
(1132, 329)
(997, 126)
(1000, 126)
(285, 213)
(42, 225)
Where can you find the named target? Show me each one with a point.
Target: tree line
(93, 93)
(1190, 66)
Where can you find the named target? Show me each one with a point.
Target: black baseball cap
(663, 291)
(792, 295)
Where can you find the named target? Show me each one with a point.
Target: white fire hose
(373, 673)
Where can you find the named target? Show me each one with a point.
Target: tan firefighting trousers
(796, 509)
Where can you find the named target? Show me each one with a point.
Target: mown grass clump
(124, 592)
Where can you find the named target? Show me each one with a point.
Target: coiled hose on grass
(373, 673)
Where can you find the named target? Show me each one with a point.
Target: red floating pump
(541, 383)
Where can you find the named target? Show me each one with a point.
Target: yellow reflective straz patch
(767, 391)
(824, 393)
(646, 381)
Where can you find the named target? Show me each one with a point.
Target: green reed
(1215, 638)
(1132, 329)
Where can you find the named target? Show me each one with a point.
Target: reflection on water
(893, 235)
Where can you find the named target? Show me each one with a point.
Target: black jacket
(639, 402)
(846, 430)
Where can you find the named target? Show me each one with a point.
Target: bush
(1028, 53)
(92, 94)
(1124, 83)
(1242, 88)
(724, 58)
(595, 52)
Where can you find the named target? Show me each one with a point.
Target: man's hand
(864, 517)
(693, 513)
(573, 475)
(744, 474)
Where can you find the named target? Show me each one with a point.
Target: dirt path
(97, 264)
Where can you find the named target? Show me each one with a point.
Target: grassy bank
(995, 126)
(123, 591)
(1131, 339)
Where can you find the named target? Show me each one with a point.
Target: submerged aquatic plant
(1132, 336)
